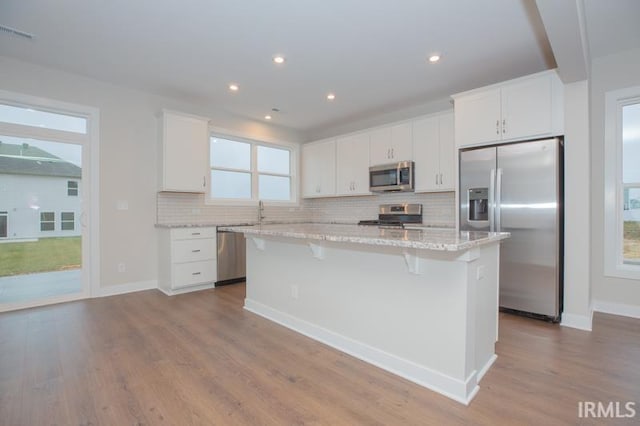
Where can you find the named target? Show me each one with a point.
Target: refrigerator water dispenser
(478, 204)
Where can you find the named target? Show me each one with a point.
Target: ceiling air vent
(14, 32)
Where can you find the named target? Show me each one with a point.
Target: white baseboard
(113, 290)
(486, 367)
(581, 322)
(458, 390)
(186, 289)
(622, 309)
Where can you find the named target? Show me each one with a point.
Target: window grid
(47, 221)
(72, 188)
(67, 221)
(254, 172)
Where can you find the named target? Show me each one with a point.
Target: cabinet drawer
(193, 273)
(188, 233)
(193, 250)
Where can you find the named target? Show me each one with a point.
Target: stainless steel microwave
(395, 177)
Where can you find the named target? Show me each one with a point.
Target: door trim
(91, 181)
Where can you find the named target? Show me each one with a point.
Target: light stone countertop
(422, 238)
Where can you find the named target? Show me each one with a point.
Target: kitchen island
(420, 303)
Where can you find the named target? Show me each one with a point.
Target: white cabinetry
(528, 107)
(319, 169)
(352, 171)
(184, 152)
(187, 259)
(391, 144)
(434, 153)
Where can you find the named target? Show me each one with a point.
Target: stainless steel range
(396, 215)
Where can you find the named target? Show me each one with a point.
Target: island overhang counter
(420, 303)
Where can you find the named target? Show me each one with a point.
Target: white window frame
(293, 149)
(613, 186)
(91, 196)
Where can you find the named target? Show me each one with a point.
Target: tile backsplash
(173, 208)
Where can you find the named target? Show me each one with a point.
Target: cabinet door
(352, 176)
(401, 143)
(478, 118)
(526, 108)
(185, 153)
(380, 146)
(447, 154)
(319, 169)
(426, 153)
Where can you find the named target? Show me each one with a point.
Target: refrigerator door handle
(498, 200)
(491, 201)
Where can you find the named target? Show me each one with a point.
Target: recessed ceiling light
(434, 58)
(267, 117)
(234, 87)
(278, 59)
(331, 96)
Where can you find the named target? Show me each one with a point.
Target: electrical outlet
(122, 267)
(294, 292)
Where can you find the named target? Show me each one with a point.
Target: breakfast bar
(421, 303)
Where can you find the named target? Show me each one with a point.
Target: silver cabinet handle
(204, 181)
(195, 273)
(392, 153)
(440, 178)
(497, 127)
(195, 233)
(195, 251)
(504, 126)
(436, 178)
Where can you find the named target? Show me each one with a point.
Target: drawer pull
(195, 273)
(195, 233)
(195, 251)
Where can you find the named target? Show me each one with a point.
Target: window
(72, 188)
(47, 221)
(38, 118)
(67, 221)
(622, 183)
(251, 171)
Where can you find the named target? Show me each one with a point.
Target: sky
(69, 152)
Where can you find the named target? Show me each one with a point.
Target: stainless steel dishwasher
(231, 257)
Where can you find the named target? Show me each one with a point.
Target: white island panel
(429, 316)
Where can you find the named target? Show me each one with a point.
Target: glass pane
(230, 154)
(226, 184)
(273, 160)
(631, 182)
(47, 120)
(41, 253)
(274, 187)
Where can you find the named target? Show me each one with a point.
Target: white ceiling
(371, 53)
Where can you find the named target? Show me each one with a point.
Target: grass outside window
(44, 255)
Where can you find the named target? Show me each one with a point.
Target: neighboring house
(39, 194)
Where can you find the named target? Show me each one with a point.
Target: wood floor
(199, 358)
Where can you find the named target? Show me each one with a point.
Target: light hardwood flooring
(199, 358)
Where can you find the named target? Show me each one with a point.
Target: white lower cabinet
(187, 259)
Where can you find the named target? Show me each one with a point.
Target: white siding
(23, 197)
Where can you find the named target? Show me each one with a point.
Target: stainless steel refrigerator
(518, 188)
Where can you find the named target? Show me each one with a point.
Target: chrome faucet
(260, 211)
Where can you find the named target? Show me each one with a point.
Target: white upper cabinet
(528, 107)
(391, 144)
(184, 152)
(352, 177)
(319, 169)
(434, 153)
